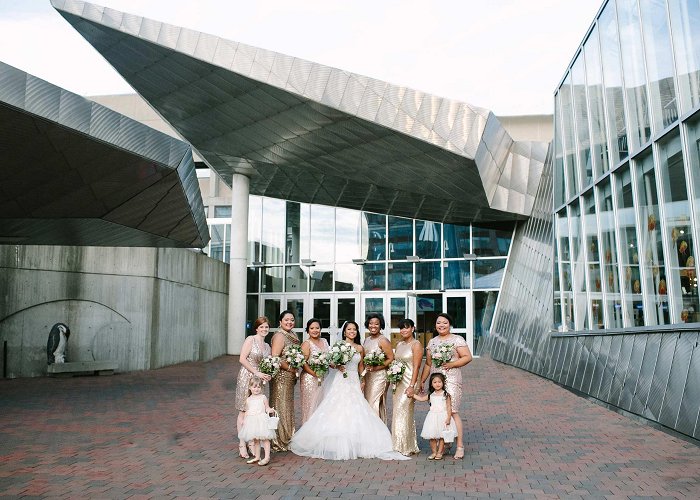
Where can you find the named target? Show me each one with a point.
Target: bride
(344, 426)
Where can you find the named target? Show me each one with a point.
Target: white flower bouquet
(319, 362)
(394, 373)
(270, 365)
(341, 353)
(375, 357)
(442, 354)
(294, 357)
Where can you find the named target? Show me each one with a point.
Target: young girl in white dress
(256, 426)
(438, 422)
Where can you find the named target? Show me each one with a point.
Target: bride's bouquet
(394, 373)
(319, 362)
(294, 357)
(341, 353)
(442, 354)
(270, 365)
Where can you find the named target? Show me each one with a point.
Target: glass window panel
(346, 311)
(578, 268)
(562, 229)
(659, 57)
(568, 308)
(297, 307)
(610, 267)
(457, 308)
(398, 310)
(597, 321)
(559, 187)
(633, 312)
(348, 235)
(253, 281)
(322, 311)
(347, 277)
(633, 64)
(654, 285)
(222, 212)
(216, 243)
(612, 80)
(227, 242)
(294, 238)
(428, 236)
(694, 169)
(322, 245)
(273, 230)
(400, 276)
(272, 280)
(555, 271)
(400, 237)
(484, 308)
(488, 273)
(251, 313)
(254, 228)
(321, 278)
(567, 126)
(272, 310)
(596, 108)
(590, 227)
(374, 277)
(428, 276)
(457, 275)
(557, 312)
(685, 19)
(493, 241)
(456, 240)
(683, 283)
(578, 89)
(374, 236)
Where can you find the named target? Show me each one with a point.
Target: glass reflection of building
(627, 170)
(338, 264)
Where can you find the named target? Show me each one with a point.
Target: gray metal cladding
(646, 373)
(659, 381)
(690, 402)
(621, 370)
(629, 385)
(677, 379)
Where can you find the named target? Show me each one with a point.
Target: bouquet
(270, 365)
(341, 352)
(294, 357)
(442, 354)
(375, 357)
(394, 373)
(319, 362)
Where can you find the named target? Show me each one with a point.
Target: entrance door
(458, 305)
(428, 306)
(321, 309)
(346, 309)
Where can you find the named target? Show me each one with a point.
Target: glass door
(428, 306)
(458, 305)
(398, 310)
(345, 309)
(321, 309)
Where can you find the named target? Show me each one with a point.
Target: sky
(504, 55)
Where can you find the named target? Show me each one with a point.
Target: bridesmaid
(376, 384)
(310, 387)
(452, 369)
(282, 386)
(403, 424)
(254, 349)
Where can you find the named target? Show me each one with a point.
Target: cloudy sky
(503, 55)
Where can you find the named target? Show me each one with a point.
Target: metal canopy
(312, 133)
(73, 172)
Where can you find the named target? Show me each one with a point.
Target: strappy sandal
(459, 453)
(243, 451)
(252, 460)
(431, 456)
(438, 457)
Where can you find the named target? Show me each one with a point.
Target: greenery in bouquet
(442, 354)
(270, 365)
(294, 357)
(375, 357)
(394, 373)
(319, 362)
(341, 353)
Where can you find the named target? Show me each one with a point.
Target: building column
(238, 273)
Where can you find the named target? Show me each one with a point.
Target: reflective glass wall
(626, 170)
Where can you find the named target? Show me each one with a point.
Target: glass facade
(626, 170)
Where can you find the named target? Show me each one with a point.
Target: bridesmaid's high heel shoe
(242, 451)
(459, 453)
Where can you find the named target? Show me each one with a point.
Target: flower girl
(256, 426)
(438, 423)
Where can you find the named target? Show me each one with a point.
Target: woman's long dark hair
(357, 327)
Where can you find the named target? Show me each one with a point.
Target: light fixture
(308, 262)
(469, 256)
(412, 258)
(359, 262)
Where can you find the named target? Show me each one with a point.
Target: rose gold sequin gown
(282, 400)
(453, 375)
(376, 385)
(309, 386)
(257, 352)
(403, 424)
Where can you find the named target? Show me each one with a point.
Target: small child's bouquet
(294, 357)
(319, 362)
(442, 354)
(341, 353)
(270, 365)
(394, 373)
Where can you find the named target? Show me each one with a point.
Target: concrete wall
(142, 307)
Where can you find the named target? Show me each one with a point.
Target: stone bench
(76, 368)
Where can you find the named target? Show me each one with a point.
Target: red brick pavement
(170, 433)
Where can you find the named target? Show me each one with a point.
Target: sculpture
(56, 345)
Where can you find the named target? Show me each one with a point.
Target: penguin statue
(56, 345)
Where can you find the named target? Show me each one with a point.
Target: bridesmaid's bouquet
(294, 357)
(394, 373)
(319, 362)
(375, 357)
(270, 365)
(442, 354)
(341, 353)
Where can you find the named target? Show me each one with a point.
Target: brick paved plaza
(170, 433)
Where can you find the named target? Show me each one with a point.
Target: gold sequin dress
(376, 384)
(258, 351)
(282, 399)
(403, 424)
(453, 375)
(309, 385)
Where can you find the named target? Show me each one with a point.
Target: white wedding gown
(344, 427)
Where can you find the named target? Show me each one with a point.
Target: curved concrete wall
(142, 307)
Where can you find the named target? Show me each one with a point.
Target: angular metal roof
(312, 133)
(73, 172)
